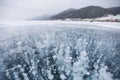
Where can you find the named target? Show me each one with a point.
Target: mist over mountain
(86, 12)
(43, 17)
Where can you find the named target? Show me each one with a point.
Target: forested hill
(87, 12)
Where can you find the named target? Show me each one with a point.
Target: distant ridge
(87, 12)
(114, 10)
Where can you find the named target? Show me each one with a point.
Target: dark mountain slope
(114, 10)
(87, 12)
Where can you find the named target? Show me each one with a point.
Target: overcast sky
(25, 9)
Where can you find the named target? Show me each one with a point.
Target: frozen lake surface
(59, 50)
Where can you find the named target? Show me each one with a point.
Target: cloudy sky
(26, 9)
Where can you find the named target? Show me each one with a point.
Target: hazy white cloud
(24, 9)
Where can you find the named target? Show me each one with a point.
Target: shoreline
(115, 25)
